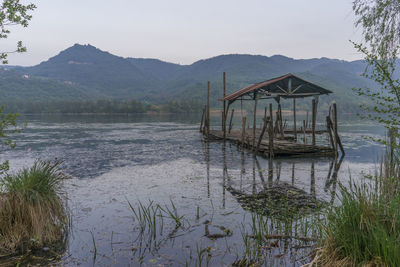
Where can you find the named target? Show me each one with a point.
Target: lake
(115, 160)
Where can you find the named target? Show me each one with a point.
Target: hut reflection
(285, 180)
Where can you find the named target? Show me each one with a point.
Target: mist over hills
(84, 72)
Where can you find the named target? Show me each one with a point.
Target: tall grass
(364, 230)
(33, 213)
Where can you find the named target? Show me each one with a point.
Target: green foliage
(7, 121)
(13, 13)
(380, 20)
(386, 98)
(42, 181)
(365, 228)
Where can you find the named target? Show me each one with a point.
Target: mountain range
(84, 72)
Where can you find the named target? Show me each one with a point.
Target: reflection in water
(276, 177)
(331, 181)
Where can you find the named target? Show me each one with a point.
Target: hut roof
(286, 86)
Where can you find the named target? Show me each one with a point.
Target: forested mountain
(84, 72)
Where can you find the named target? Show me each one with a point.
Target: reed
(365, 229)
(33, 210)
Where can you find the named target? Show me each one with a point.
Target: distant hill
(15, 86)
(84, 71)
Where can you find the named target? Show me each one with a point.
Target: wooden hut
(288, 86)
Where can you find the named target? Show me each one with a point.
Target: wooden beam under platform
(280, 147)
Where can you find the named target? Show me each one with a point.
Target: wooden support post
(280, 120)
(304, 132)
(276, 128)
(205, 123)
(225, 113)
(202, 119)
(254, 123)
(208, 109)
(314, 114)
(307, 120)
(332, 130)
(335, 128)
(271, 132)
(294, 119)
(243, 129)
(222, 121)
(230, 122)
(262, 134)
(329, 130)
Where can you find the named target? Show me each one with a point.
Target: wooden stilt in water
(208, 109)
(202, 119)
(294, 119)
(338, 141)
(293, 166)
(276, 128)
(225, 113)
(312, 186)
(329, 130)
(254, 123)
(230, 122)
(280, 121)
(307, 120)
(313, 121)
(205, 123)
(304, 132)
(222, 121)
(262, 133)
(243, 129)
(271, 132)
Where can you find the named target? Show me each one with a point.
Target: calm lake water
(116, 159)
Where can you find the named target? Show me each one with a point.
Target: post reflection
(280, 177)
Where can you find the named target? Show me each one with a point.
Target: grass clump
(33, 213)
(364, 230)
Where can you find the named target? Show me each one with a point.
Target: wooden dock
(286, 147)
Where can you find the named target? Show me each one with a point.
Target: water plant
(33, 210)
(365, 228)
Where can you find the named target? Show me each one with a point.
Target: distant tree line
(105, 106)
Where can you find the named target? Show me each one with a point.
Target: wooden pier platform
(286, 147)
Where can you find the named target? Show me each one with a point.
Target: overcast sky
(183, 31)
